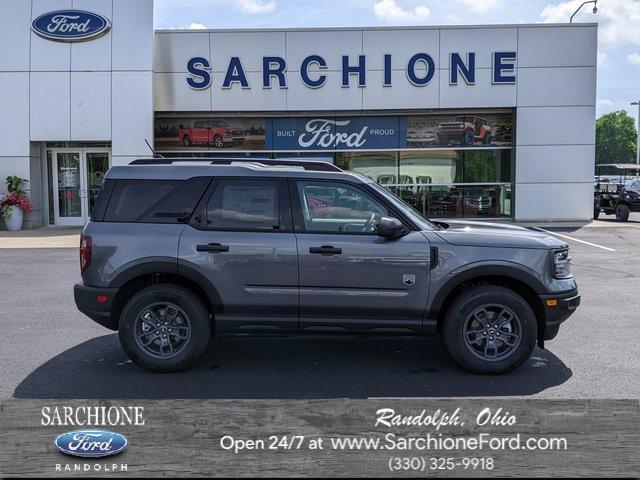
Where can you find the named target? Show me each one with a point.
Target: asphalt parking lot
(49, 350)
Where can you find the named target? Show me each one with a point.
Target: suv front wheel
(164, 328)
(490, 329)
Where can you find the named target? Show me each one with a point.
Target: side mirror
(389, 227)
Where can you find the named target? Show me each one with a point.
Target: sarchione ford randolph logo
(91, 443)
(71, 25)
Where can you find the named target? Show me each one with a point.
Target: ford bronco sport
(178, 249)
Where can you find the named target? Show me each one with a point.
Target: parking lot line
(574, 239)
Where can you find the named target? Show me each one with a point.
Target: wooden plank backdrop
(182, 438)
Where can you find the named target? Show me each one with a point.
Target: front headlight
(562, 264)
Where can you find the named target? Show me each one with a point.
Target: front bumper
(566, 304)
(88, 304)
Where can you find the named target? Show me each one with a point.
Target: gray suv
(180, 249)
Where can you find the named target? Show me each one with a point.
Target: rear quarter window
(155, 201)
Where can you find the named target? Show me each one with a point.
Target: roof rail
(318, 166)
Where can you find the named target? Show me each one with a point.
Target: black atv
(617, 194)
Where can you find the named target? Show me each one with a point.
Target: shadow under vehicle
(619, 194)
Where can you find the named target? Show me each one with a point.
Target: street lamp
(638, 142)
(595, 9)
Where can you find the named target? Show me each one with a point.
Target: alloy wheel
(162, 330)
(492, 332)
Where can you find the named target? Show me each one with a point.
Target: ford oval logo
(91, 443)
(71, 25)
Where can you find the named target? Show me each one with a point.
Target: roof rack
(317, 166)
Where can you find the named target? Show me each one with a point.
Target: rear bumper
(99, 312)
(567, 302)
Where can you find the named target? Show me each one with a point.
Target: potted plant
(14, 204)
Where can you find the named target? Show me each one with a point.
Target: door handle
(213, 248)
(326, 250)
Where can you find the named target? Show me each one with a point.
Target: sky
(618, 20)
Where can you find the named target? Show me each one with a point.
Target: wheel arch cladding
(157, 272)
(515, 279)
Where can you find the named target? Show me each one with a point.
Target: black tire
(490, 297)
(218, 141)
(622, 212)
(190, 306)
(186, 141)
(596, 213)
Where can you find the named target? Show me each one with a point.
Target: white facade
(98, 91)
(106, 90)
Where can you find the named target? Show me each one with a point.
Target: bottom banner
(376, 438)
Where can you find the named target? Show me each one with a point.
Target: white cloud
(603, 60)
(253, 7)
(195, 26)
(391, 12)
(618, 19)
(480, 6)
(634, 58)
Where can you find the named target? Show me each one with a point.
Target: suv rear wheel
(490, 329)
(164, 328)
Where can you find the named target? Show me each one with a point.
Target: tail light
(86, 251)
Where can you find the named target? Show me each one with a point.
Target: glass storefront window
(425, 166)
(485, 166)
(451, 201)
(445, 164)
(381, 167)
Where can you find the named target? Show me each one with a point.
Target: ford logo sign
(70, 26)
(91, 443)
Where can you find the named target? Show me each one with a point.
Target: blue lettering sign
(359, 70)
(273, 67)
(304, 71)
(411, 69)
(200, 78)
(387, 71)
(504, 62)
(235, 73)
(468, 70)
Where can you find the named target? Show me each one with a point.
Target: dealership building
(492, 122)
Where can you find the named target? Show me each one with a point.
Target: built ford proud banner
(331, 133)
(328, 438)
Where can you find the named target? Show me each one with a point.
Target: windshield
(422, 222)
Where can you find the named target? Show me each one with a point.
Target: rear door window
(253, 205)
(155, 201)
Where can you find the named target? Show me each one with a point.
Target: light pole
(595, 9)
(638, 141)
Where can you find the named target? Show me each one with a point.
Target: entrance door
(77, 177)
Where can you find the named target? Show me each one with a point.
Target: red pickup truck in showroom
(211, 132)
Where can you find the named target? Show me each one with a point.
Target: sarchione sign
(420, 70)
(71, 26)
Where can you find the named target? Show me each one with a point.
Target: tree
(616, 138)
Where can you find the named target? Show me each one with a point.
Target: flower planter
(16, 216)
